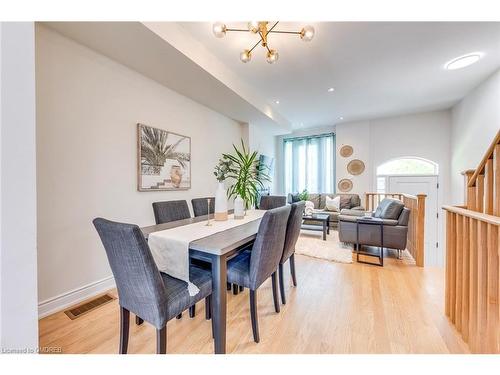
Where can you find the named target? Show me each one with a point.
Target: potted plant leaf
(247, 173)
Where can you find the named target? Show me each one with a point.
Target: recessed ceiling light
(341, 118)
(277, 102)
(331, 89)
(463, 61)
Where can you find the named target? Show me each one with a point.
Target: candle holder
(208, 224)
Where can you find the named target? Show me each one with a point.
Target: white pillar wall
(18, 255)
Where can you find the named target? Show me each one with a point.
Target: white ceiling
(377, 69)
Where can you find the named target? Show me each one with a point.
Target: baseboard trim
(75, 296)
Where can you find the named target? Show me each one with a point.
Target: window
(403, 166)
(408, 166)
(309, 164)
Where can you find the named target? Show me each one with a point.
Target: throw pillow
(332, 204)
(345, 201)
(295, 198)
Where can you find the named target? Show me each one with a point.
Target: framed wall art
(164, 160)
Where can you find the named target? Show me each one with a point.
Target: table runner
(170, 247)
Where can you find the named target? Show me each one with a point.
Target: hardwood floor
(336, 308)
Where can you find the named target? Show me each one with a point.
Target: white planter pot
(220, 203)
(239, 208)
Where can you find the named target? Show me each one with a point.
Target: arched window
(407, 165)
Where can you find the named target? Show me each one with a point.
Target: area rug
(311, 244)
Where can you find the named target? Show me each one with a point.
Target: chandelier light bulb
(253, 26)
(219, 29)
(272, 56)
(307, 33)
(245, 56)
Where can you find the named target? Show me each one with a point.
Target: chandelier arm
(272, 27)
(227, 29)
(256, 44)
(285, 32)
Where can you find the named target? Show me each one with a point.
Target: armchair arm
(359, 208)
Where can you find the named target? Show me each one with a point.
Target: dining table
(215, 250)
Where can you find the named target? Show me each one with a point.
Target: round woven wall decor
(356, 167)
(346, 151)
(345, 185)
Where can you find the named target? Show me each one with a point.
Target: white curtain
(310, 164)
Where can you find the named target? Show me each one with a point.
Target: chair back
(268, 246)
(292, 230)
(389, 208)
(139, 283)
(200, 206)
(168, 211)
(268, 202)
(404, 218)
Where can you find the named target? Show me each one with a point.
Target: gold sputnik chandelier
(261, 27)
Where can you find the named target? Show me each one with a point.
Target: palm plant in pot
(247, 173)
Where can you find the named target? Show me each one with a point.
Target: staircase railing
(416, 224)
(472, 292)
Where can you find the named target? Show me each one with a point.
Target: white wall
(18, 272)
(87, 110)
(476, 120)
(260, 138)
(425, 135)
(357, 135)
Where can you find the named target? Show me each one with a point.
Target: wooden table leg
(219, 280)
(324, 230)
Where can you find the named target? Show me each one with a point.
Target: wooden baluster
(492, 317)
(498, 283)
(467, 195)
(471, 198)
(479, 193)
(496, 181)
(453, 268)
(473, 285)
(449, 239)
(420, 230)
(465, 278)
(488, 187)
(482, 284)
(458, 273)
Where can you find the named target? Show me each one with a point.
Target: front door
(423, 185)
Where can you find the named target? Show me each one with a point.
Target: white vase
(239, 208)
(220, 203)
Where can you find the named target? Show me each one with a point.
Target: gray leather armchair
(395, 226)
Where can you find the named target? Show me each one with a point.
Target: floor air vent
(78, 311)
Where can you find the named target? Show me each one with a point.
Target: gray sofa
(350, 204)
(395, 218)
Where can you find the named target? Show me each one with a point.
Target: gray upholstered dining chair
(268, 202)
(151, 295)
(292, 234)
(252, 267)
(170, 211)
(200, 206)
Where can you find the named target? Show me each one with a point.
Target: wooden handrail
(482, 164)
(490, 219)
(416, 225)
